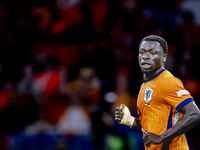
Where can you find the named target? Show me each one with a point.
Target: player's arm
(123, 116)
(191, 116)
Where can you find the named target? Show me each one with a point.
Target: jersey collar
(154, 76)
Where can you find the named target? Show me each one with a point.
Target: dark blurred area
(66, 64)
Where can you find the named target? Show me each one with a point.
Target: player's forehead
(150, 45)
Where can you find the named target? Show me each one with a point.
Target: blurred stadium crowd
(66, 64)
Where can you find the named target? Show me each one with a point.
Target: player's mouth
(146, 65)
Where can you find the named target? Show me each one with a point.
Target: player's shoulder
(170, 79)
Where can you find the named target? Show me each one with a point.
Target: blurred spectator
(75, 124)
(65, 20)
(122, 89)
(75, 119)
(25, 85)
(87, 86)
(103, 61)
(192, 6)
(19, 111)
(191, 84)
(50, 90)
(190, 30)
(100, 10)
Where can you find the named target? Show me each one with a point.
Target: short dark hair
(156, 38)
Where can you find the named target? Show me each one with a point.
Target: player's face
(151, 56)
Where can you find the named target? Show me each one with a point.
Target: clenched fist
(123, 115)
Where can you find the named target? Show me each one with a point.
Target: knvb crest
(148, 94)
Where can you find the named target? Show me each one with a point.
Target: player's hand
(151, 138)
(123, 116)
(119, 113)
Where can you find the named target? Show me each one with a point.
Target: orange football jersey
(159, 101)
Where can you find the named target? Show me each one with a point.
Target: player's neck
(148, 75)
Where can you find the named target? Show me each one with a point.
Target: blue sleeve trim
(183, 103)
(169, 124)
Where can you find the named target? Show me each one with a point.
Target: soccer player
(166, 109)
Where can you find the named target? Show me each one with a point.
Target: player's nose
(146, 56)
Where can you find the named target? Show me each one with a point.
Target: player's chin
(146, 71)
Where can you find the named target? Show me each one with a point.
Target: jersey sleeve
(175, 94)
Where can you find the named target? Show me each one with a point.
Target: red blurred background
(66, 64)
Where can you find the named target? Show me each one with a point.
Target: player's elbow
(196, 116)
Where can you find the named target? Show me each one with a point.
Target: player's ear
(164, 57)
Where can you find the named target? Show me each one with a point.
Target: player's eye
(141, 52)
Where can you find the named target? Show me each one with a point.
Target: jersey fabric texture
(159, 101)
